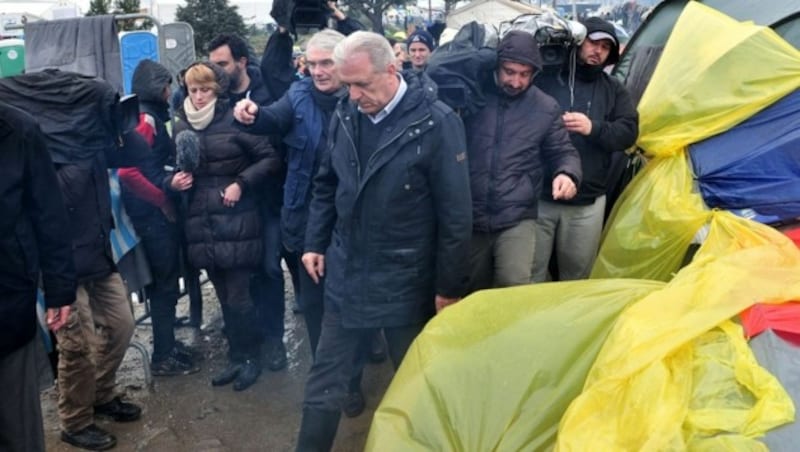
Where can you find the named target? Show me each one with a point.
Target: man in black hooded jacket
(511, 142)
(601, 119)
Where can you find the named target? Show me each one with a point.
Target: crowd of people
(385, 204)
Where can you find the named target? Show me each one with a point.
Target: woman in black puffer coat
(223, 226)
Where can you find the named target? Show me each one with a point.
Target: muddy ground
(187, 414)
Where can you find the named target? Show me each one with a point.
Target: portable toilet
(135, 46)
(12, 57)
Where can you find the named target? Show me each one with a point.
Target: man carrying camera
(601, 118)
(510, 142)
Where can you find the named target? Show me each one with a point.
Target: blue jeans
(267, 284)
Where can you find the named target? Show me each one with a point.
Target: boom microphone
(187, 147)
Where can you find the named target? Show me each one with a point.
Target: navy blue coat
(396, 232)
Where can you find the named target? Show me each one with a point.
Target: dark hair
(235, 43)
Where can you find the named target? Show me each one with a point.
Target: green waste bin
(12, 57)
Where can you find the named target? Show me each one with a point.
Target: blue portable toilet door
(134, 47)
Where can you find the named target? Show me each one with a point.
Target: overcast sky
(251, 11)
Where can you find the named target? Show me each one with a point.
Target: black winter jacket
(396, 231)
(32, 240)
(615, 124)
(218, 236)
(512, 142)
(148, 84)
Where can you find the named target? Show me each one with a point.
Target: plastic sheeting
(756, 164)
(666, 379)
(497, 370)
(699, 89)
(714, 73)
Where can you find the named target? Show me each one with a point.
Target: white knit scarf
(199, 119)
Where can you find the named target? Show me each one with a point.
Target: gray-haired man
(390, 221)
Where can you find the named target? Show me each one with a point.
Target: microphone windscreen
(187, 148)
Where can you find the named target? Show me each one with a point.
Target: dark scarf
(327, 101)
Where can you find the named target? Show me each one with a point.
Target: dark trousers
(267, 286)
(160, 241)
(310, 299)
(20, 413)
(339, 356)
(241, 325)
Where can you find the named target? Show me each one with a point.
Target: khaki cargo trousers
(91, 347)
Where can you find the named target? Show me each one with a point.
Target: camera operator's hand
(245, 111)
(577, 122)
(564, 187)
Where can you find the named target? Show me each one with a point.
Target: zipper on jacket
(498, 134)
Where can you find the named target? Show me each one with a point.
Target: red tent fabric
(783, 318)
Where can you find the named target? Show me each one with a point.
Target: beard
(236, 78)
(512, 92)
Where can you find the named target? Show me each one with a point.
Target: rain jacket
(395, 232)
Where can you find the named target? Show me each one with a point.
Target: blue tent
(755, 165)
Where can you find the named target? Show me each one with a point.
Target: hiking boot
(118, 411)
(176, 363)
(90, 438)
(227, 375)
(353, 404)
(250, 370)
(276, 354)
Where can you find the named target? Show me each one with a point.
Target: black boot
(251, 369)
(317, 430)
(227, 375)
(90, 438)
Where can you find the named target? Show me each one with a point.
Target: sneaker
(176, 363)
(90, 438)
(276, 355)
(353, 404)
(118, 411)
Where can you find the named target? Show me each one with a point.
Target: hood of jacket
(520, 47)
(149, 80)
(602, 29)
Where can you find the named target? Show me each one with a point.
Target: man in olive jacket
(513, 142)
(389, 222)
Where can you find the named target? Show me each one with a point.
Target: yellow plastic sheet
(653, 224)
(497, 370)
(714, 73)
(643, 392)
